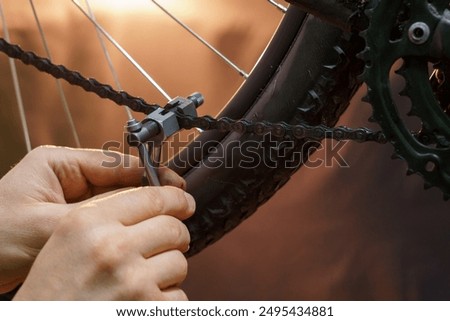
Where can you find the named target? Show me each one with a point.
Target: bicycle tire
(309, 72)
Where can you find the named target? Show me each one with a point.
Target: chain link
(283, 130)
(224, 124)
(75, 78)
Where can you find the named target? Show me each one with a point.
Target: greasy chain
(224, 124)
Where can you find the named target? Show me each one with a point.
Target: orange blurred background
(363, 232)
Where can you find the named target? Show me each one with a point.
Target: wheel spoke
(107, 57)
(123, 52)
(278, 6)
(62, 96)
(16, 84)
(202, 40)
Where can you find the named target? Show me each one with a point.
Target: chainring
(416, 31)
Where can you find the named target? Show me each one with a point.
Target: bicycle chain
(75, 78)
(224, 124)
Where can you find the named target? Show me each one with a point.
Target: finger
(99, 197)
(60, 210)
(174, 294)
(169, 177)
(83, 173)
(159, 234)
(168, 269)
(136, 205)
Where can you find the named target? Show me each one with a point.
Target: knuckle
(134, 293)
(166, 198)
(43, 151)
(39, 152)
(136, 287)
(177, 231)
(181, 199)
(180, 202)
(184, 266)
(181, 262)
(156, 200)
(106, 253)
(75, 222)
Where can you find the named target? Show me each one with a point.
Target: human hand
(45, 186)
(127, 246)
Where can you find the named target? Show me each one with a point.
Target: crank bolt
(419, 33)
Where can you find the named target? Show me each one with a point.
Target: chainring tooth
(385, 44)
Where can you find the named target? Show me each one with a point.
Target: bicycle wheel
(302, 76)
(308, 73)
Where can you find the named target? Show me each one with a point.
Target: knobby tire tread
(226, 197)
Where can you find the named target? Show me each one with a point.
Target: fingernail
(191, 202)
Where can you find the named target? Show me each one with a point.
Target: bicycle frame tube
(331, 11)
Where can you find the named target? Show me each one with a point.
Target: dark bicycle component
(343, 14)
(149, 134)
(418, 32)
(332, 11)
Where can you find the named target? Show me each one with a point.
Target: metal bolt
(419, 33)
(197, 99)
